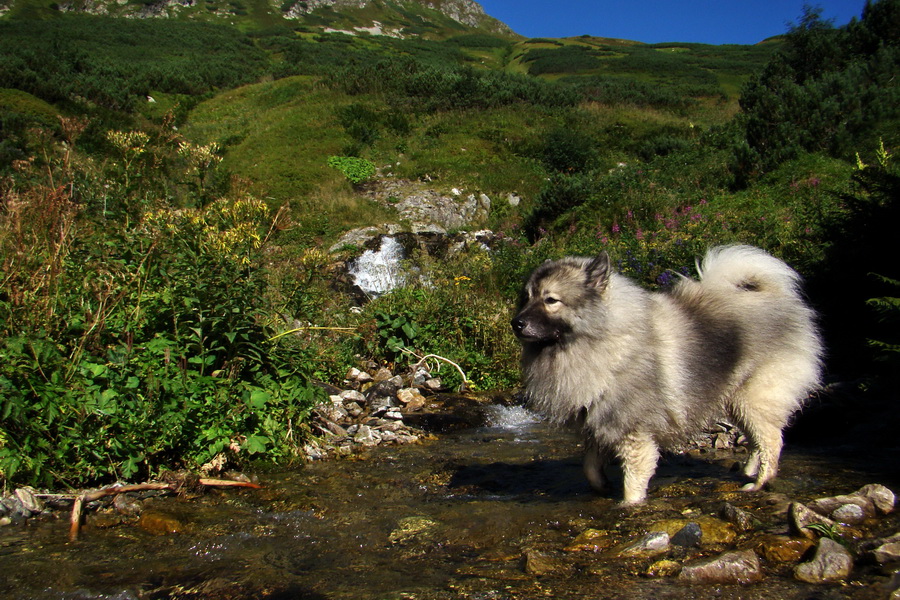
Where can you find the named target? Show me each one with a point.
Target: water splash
(511, 417)
(378, 272)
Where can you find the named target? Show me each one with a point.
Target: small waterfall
(377, 273)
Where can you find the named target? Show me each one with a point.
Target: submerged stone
(713, 531)
(739, 518)
(663, 568)
(590, 540)
(161, 523)
(538, 563)
(688, 536)
(652, 543)
(783, 548)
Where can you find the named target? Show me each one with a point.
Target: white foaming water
(511, 417)
(377, 273)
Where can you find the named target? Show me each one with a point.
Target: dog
(641, 371)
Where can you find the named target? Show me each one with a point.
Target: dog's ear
(598, 271)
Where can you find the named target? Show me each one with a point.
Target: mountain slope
(435, 19)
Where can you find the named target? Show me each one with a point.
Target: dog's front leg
(639, 454)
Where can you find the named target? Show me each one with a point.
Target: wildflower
(615, 228)
(461, 279)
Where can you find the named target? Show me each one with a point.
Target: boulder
(832, 562)
(731, 567)
(802, 518)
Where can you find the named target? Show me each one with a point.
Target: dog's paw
(752, 487)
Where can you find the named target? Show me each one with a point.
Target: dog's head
(556, 294)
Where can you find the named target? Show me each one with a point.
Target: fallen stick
(80, 500)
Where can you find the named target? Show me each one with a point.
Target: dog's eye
(550, 300)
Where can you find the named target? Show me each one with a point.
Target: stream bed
(487, 512)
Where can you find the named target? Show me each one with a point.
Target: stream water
(451, 518)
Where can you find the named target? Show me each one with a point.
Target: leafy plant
(356, 170)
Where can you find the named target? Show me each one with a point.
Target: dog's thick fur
(640, 370)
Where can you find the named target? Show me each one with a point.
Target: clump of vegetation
(131, 346)
(356, 170)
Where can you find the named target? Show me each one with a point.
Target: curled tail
(747, 268)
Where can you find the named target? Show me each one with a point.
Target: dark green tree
(828, 90)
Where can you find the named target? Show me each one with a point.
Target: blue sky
(654, 21)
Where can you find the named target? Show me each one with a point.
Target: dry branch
(174, 486)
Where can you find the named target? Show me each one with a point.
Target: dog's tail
(746, 268)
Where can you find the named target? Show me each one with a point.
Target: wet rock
(652, 543)
(882, 550)
(161, 523)
(127, 505)
(783, 548)
(590, 540)
(883, 498)
(410, 528)
(888, 552)
(366, 436)
(30, 503)
(872, 500)
(411, 398)
(849, 514)
(732, 567)
(663, 568)
(537, 563)
(804, 522)
(740, 519)
(434, 384)
(13, 510)
(832, 562)
(714, 531)
(688, 536)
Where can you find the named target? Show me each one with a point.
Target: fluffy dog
(640, 371)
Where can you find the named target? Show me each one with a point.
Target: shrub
(830, 90)
(132, 347)
(356, 170)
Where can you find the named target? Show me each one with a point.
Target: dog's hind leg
(595, 459)
(639, 454)
(762, 424)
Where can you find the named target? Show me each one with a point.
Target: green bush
(148, 344)
(460, 315)
(830, 90)
(356, 170)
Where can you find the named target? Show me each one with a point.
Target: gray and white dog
(641, 371)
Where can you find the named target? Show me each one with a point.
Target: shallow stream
(488, 513)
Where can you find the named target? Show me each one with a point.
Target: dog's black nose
(518, 324)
